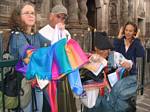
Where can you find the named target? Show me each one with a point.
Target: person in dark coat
(122, 96)
(129, 44)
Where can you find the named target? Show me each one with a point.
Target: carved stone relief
(124, 11)
(113, 12)
(82, 11)
(113, 19)
(56, 2)
(73, 12)
(140, 10)
(130, 10)
(37, 3)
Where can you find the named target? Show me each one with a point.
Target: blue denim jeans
(39, 102)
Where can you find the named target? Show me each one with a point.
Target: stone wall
(147, 17)
(6, 6)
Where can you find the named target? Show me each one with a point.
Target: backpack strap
(7, 47)
(29, 42)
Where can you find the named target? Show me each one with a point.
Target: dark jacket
(135, 50)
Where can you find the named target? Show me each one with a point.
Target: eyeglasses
(61, 17)
(29, 13)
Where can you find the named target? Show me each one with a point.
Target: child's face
(129, 31)
(102, 53)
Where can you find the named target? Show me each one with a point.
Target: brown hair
(133, 24)
(15, 21)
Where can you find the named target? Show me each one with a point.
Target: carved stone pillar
(147, 18)
(130, 8)
(140, 10)
(113, 20)
(113, 12)
(82, 11)
(73, 12)
(55, 2)
(44, 9)
(78, 31)
(123, 12)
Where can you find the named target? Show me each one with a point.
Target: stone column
(113, 12)
(147, 34)
(140, 10)
(123, 12)
(113, 20)
(55, 2)
(82, 11)
(42, 14)
(77, 30)
(99, 21)
(73, 12)
(130, 8)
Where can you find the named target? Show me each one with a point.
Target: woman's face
(129, 31)
(28, 15)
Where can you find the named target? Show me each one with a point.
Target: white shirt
(54, 34)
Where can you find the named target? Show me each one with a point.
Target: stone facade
(86, 16)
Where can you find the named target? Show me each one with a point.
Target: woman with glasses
(22, 24)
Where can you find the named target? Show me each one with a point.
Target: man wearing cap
(54, 31)
(124, 90)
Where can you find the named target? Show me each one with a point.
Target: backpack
(10, 102)
(14, 85)
(11, 83)
(10, 89)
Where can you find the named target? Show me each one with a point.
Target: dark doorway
(91, 14)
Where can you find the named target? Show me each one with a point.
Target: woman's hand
(138, 33)
(27, 58)
(126, 64)
(120, 33)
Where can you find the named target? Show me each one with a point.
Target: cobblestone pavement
(143, 101)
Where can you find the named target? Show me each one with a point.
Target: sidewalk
(143, 101)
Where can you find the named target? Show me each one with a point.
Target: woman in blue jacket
(22, 24)
(129, 44)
